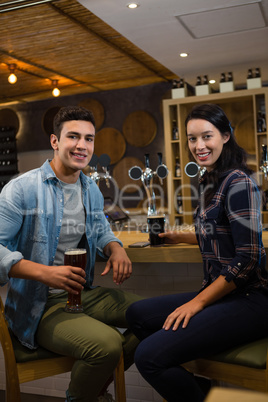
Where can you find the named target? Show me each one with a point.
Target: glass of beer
(76, 257)
(156, 225)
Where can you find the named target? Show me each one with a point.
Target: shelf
(242, 108)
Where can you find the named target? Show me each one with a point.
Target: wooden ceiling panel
(63, 41)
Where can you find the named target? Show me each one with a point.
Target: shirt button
(239, 264)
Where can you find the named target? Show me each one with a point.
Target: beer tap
(146, 176)
(147, 180)
(264, 166)
(93, 168)
(104, 161)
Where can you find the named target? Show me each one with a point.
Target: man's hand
(63, 277)
(118, 261)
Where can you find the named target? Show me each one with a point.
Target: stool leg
(119, 381)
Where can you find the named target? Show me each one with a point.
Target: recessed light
(212, 81)
(183, 54)
(132, 5)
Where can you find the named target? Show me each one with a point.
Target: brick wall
(147, 280)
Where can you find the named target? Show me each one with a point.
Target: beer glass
(156, 225)
(76, 257)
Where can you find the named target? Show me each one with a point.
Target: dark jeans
(238, 318)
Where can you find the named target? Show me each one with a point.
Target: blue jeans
(235, 319)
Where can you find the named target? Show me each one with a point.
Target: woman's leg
(234, 320)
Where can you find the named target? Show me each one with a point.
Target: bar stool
(24, 365)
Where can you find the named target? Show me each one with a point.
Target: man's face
(76, 144)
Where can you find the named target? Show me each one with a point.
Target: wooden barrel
(9, 118)
(120, 174)
(48, 119)
(111, 142)
(96, 108)
(139, 128)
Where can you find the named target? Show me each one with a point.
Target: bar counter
(185, 253)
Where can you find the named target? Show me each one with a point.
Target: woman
(231, 307)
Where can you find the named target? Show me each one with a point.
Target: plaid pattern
(229, 232)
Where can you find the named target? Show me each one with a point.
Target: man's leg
(109, 306)
(96, 346)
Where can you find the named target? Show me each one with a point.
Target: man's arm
(118, 261)
(63, 277)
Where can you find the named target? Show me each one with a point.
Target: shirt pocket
(98, 224)
(209, 221)
(37, 228)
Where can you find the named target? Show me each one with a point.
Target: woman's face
(205, 142)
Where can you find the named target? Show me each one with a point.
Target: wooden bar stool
(244, 366)
(24, 365)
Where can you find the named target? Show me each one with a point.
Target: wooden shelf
(241, 107)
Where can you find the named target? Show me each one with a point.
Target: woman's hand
(183, 314)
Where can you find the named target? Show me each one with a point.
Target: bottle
(175, 131)
(222, 77)
(230, 76)
(259, 123)
(205, 80)
(181, 84)
(250, 75)
(179, 204)
(257, 72)
(177, 167)
(198, 80)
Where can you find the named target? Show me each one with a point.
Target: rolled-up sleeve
(242, 207)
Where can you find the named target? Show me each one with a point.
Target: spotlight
(12, 78)
(55, 91)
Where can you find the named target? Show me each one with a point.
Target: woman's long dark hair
(232, 156)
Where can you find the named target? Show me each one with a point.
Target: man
(43, 212)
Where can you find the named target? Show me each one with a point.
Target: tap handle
(264, 152)
(94, 161)
(147, 161)
(159, 158)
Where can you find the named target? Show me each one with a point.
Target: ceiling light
(12, 78)
(132, 5)
(183, 54)
(55, 91)
(212, 81)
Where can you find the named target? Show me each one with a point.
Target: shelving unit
(241, 107)
(8, 155)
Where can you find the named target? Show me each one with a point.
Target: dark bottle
(177, 167)
(179, 204)
(181, 84)
(222, 77)
(198, 80)
(175, 131)
(230, 76)
(205, 80)
(250, 75)
(257, 72)
(259, 122)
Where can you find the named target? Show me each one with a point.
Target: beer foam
(75, 252)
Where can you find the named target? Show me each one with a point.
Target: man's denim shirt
(31, 211)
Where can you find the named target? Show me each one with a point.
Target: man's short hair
(69, 113)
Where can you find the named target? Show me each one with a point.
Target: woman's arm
(179, 237)
(215, 291)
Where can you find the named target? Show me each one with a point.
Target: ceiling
(97, 45)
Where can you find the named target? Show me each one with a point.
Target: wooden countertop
(185, 253)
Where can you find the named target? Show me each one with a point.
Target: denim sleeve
(10, 224)
(243, 211)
